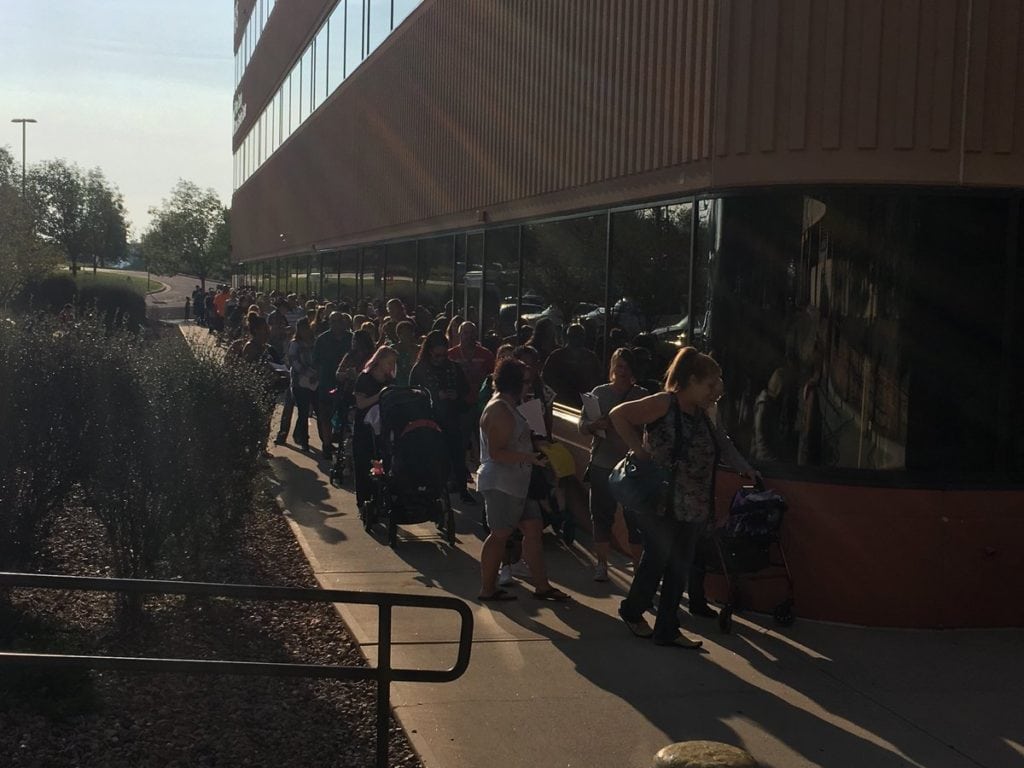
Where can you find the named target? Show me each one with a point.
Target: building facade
(825, 195)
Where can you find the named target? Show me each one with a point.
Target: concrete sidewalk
(567, 685)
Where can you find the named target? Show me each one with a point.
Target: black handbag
(642, 485)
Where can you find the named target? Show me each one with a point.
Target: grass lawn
(137, 284)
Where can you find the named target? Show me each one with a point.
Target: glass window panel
(295, 116)
(354, 37)
(501, 281)
(435, 280)
(401, 274)
(649, 286)
(469, 265)
(320, 67)
(305, 78)
(336, 48)
(372, 280)
(1015, 354)
(833, 317)
(348, 272)
(379, 22)
(403, 8)
(563, 283)
(331, 276)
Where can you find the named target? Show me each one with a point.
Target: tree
(80, 214)
(24, 257)
(189, 233)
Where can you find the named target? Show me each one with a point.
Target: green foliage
(114, 304)
(161, 444)
(189, 233)
(48, 294)
(24, 258)
(80, 214)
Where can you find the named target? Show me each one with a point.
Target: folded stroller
(410, 473)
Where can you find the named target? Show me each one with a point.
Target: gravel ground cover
(84, 718)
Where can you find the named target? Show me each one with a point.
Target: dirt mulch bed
(82, 718)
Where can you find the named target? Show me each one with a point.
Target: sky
(140, 88)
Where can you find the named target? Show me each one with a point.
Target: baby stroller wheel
(783, 614)
(368, 514)
(725, 619)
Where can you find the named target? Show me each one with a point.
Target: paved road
(168, 304)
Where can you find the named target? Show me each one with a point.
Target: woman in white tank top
(507, 457)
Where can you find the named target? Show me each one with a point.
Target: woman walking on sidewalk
(678, 436)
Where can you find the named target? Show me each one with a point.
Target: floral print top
(701, 446)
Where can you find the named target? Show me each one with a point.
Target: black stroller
(410, 473)
(744, 546)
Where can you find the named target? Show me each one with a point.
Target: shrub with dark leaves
(161, 443)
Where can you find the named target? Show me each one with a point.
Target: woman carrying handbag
(680, 441)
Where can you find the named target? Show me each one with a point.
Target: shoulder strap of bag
(677, 444)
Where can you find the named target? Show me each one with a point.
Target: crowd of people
(338, 360)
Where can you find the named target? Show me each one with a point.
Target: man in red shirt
(475, 360)
(477, 363)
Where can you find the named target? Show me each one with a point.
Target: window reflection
(563, 283)
(648, 288)
(435, 278)
(501, 273)
(401, 273)
(371, 291)
(835, 317)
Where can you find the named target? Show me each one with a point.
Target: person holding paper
(606, 450)
(447, 386)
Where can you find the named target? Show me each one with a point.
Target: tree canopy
(24, 257)
(189, 233)
(80, 213)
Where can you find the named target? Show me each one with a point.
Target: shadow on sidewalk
(305, 495)
(767, 681)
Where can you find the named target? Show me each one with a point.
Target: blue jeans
(668, 552)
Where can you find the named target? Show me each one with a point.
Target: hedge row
(114, 303)
(163, 444)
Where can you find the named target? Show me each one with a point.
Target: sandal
(497, 596)
(552, 593)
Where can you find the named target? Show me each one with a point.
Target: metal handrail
(384, 674)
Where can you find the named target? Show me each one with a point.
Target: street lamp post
(23, 121)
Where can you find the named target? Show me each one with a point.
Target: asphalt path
(168, 304)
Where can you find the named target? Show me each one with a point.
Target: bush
(114, 304)
(41, 372)
(49, 294)
(161, 444)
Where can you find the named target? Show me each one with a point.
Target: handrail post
(383, 683)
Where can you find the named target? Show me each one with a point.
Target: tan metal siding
(530, 107)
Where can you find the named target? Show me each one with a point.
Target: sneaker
(505, 576)
(601, 572)
(520, 570)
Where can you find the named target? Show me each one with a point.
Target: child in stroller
(410, 473)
